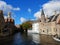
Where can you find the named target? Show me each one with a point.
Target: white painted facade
(35, 27)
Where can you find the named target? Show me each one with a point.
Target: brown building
(2, 23)
(7, 25)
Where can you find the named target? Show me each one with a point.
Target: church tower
(9, 14)
(9, 19)
(42, 16)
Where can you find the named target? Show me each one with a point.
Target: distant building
(2, 22)
(18, 26)
(35, 27)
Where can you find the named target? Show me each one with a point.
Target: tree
(27, 25)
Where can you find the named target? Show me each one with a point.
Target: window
(43, 30)
(55, 30)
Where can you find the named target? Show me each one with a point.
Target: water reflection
(35, 38)
(23, 39)
(18, 39)
(28, 39)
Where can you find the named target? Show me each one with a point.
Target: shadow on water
(18, 39)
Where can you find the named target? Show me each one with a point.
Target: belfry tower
(9, 14)
(42, 16)
(9, 19)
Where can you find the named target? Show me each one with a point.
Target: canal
(28, 39)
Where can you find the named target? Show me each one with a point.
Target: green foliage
(27, 25)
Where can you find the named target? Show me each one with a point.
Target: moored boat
(56, 38)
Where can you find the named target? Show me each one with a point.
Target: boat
(56, 38)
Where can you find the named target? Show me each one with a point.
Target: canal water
(28, 39)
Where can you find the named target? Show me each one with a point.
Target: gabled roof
(56, 17)
(53, 17)
(50, 18)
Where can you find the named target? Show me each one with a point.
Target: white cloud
(22, 19)
(55, 0)
(6, 7)
(37, 14)
(16, 8)
(5, 17)
(29, 10)
(32, 19)
(49, 8)
(13, 15)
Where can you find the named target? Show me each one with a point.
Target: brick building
(7, 25)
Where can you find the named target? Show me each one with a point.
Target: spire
(42, 12)
(42, 16)
(9, 14)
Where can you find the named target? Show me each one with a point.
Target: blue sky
(26, 9)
